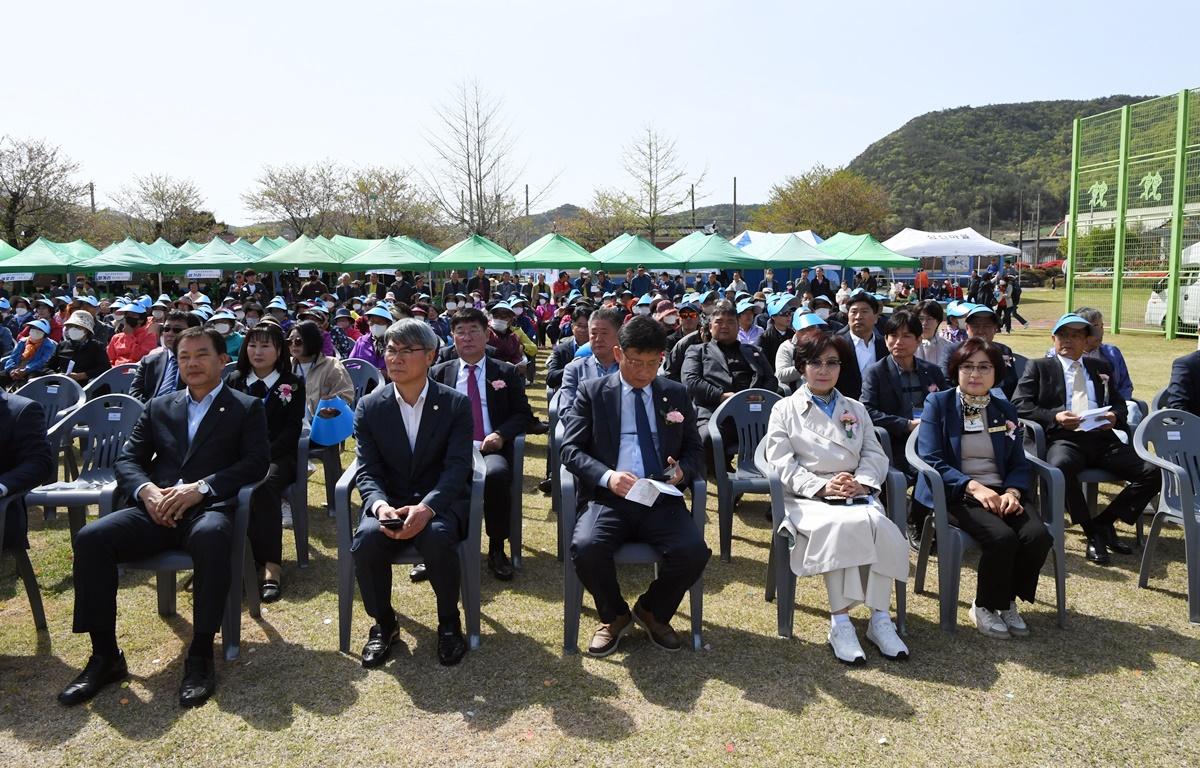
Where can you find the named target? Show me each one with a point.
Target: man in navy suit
(622, 427)
(1053, 392)
(414, 456)
(188, 456)
(150, 378)
(499, 413)
(25, 461)
(862, 313)
(1183, 391)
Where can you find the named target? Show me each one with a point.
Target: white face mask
(75, 334)
(158, 314)
(451, 306)
(541, 302)
(240, 315)
(670, 321)
(223, 328)
(329, 305)
(760, 304)
(518, 311)
(823, 313)
(641, 310)
(357, 307)
(251, 322)
(499, 326)
(36, 334)
(378, 329)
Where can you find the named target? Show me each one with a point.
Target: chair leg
(345, 599)
(923, 556)
(785, 585)
(76, 518)
(250, 586)
(333, 470)
(1191, 554)
(1148, 550)
(949, 574)
(572, 607)
(299, 504)
(1060, 583)
(696, 593)
(725, 519)
(25, 571)
(770, 593)
(469, 573)
(165, 583)
(514, 525)
(902, 607)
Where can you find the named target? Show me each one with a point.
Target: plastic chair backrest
(1173, 436)
(115, 381)
(109, 420)
(365, 377)
(750, 411)
(1159, 401)
(55, 393)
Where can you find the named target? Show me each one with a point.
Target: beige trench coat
(808, 448)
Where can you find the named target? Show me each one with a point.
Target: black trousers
(497, 502)
(129, 534)
(266, 521)
(667, 527)
(1072, 452)
(373, 552)
(1013, 550)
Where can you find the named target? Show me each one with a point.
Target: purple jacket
(364, 349)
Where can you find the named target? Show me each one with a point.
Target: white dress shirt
(629, 452)
(268, 382)
(1069, 379)
(196, 411)
(461, 385)
(864, 352)
(412, 414)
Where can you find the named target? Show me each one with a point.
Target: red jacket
(131, 346)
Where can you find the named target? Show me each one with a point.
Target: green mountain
(941, 169)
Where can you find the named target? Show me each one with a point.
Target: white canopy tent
(747, 236)
(960, 242)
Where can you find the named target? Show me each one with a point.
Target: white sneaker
(844, 641)
(1012, 619)
(286, 510)
(990, 623)
(882, 632)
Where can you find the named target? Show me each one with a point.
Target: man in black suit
(820, 285)
(1183, 391)
(480, 283)
(499, 413)
(625, 426)
(452, 287)
(866, 281)
(414, 457)
(183, 465)
(862, 315)
(373, 287)
(25, 462)
(158, 372)
(1053, 392)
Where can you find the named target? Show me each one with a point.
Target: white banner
(16, 277)
(203, 274)
(113, 277)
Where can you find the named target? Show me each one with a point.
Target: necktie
(650, 464)
(476, 403)
(1079, 398)
(258, 389)
(170, 377)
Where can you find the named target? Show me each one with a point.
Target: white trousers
(846, 589)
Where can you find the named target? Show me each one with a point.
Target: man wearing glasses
(499, 413)
(415, 456)
(157, 373)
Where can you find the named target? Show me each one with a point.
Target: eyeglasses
(642, 365)
(819, 364)
(980, 368)
(403, 351)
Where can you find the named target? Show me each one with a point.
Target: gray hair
(410, 332)
(1090, 314)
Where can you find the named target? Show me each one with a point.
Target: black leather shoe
(452, 646)
(379, 646)
(914, 537)
(1097, 552)
(418, 573)
(269, 591)
(500, 566)
(538, 427)
(199, 681)
(99, 672)
(1114, 543)
(545, 486)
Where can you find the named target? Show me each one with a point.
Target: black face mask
(132, 321)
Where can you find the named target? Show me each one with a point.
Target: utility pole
(528, 223)
(734, 205)
(1020, 222)
(1037, 230)
(693, 207)
(989, 217)
(92, 195)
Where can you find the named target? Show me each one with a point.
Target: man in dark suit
(715, 371)
(452, 287)
(415, 457)
(25, 462)
(821, 286)
(564, 351)
(866, 281)
(862, 315)
(373, 287)
(499, 413)
(1053, 392)
(158, 372)
(183, 465)
(480, 283)
(1183, 391)
(630, 425)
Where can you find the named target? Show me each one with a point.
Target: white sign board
(957, 263)
(203, 274)
(113, 277)
(16, 277)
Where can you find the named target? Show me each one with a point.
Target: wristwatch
(204, 488)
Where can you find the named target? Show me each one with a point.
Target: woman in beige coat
(825, 450)
(324, 377)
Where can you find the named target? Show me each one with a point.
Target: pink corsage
(674, 417)
(933, 388)
(848, 421)
(285, 393)
(1012, 430)
(498, 384)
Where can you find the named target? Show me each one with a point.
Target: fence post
(1119, 230)
(1073, 225)
(1178, 191)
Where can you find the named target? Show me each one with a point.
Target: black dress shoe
(538, 427)
(545, 486)
(1114, 543)
(269, 591)
(500, 566)
(914, 537)
(1097, 552)
(99, 672)
(379, 646)
(418, 573)
(452, 646)
(199, 681)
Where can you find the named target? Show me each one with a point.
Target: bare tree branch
(157, 205)
(660, 185)
(306, 198)
(38, 191)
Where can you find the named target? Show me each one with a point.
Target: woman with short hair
(324, 377)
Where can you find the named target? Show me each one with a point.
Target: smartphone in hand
(392, 522)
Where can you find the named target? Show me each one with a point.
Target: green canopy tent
(390, 253)
(701, 251)
(303, 253)
(553, 251)
(126, 256)
(356, 244)
(342, 250)
(250, 249)
(190, 247)
(164, 252)
(266, 245)
(7, 251)
(78, 250)
(218, 254)
(43, 256)
(628, 251)
(476, 251)
(431, 250)
(785, 251)
(863, 251)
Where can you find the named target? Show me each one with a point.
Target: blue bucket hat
(744, 305)
(978, 310)
(780, 302)
(1071, 319)
(958, 308)
(645, 300)
(802, 320)
(40, 324)
(379, 312)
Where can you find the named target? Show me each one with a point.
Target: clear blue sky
(212, 91)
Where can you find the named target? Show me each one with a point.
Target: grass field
(1119, 686)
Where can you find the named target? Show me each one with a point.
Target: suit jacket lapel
(1098, 383)
(999, 450)
(429, 414)
(896, 381)
(715, 359)
(208, 423)
(491, 373)
(392, 413)
(659, 405)
(612, 403)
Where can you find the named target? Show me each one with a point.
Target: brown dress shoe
(662, 634)
(608, 636)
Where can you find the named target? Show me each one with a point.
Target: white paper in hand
(646, 491)
(1093, 418)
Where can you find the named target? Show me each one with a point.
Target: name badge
(1000, 428)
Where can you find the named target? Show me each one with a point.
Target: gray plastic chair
(1090, 479)
(1169, 440)
(1159, 401)
(57, 394)
(750, 411)
(468, 554)
(516, 492)
(117, 380)
(106, 422)
(24, 570)
(365, 377)
(166, 564)
(953, 542)
(552, 453)
(634, 553)
(297, 494)
(779, 564)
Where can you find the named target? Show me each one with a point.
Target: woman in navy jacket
(974, 442)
